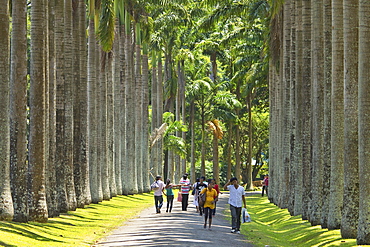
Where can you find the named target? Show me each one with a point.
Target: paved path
(179, 228)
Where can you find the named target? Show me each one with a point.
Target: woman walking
(209, 205)
(169, 194)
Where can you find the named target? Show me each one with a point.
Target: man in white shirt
(158, 187)
(237, 196)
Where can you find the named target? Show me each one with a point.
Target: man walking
(237, 196)
(185, 188)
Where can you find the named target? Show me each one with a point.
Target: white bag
(245, 216)
(154, 186)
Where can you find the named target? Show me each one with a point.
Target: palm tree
(38, 208)
(18, 110)
(68, 97)
(306, 109)
(51, 186)
(327, 110)
(6, 205)
(298, 190)
(337, 110)
(318, 117)
(351, 198)
(363, 236)
(93, 81)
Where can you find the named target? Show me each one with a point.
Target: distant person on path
(185, 188)
(209, 205)
(169, 194)
(237, 197)
(200, 186)
(265, 184)
(216, 187)
(158, 187)
(195, 201)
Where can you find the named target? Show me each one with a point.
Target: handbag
(202, 199)
(179, 196)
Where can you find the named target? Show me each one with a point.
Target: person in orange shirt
(210, 202)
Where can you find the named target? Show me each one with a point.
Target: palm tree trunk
(102, 131)
(160, 111)
(51, 189)
(117, 110)
(298, 190)
(327, 111)
(18, 109)
(337, 109)
(318, 116)
(110, 126)
(6, 202)
(349, 222)
(154, 98)
(93, 119)
(306, 110)
(363, 233)
(192, 151)
(68, 96)
(38, 207)
(138, 110)
(145, 126)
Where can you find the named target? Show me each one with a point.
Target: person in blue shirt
(170, 195)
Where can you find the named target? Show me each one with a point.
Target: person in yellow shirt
(209, 204)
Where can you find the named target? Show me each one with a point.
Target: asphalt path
(178, 228)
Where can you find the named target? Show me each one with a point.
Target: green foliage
(172, 142)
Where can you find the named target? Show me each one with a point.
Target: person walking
(200, 186)
(237, 197)
(216, 187)
(185, 188)
(158, 187)
(193, 192)
(169, 194)
(265, 184)
(209, 204)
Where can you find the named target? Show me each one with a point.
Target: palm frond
(106, 25)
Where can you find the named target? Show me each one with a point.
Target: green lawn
(270, 226)
(273, 226)
(78, 228)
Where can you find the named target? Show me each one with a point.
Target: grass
(273, 226)
(78, 228)
(270, 225)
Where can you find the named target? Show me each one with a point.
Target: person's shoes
(233, 230)
(237, 232)
(205, 226)
(167, 211)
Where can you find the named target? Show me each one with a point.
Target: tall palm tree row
(84, 112)
(329, 109)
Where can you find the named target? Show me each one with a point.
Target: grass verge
(78, 228)
(275, 227)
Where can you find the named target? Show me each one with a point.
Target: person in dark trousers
(237, 197)
(265, 185)
(200, 186)
(158, 187)
(169, 194)
(185, 188)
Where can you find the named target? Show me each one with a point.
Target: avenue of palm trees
(98, 96)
